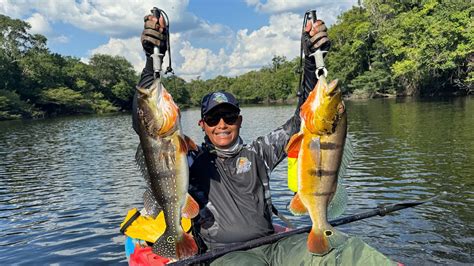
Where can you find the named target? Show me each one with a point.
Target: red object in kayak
(144, 256)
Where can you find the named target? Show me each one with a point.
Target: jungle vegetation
(378, 48)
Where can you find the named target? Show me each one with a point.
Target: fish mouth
(333, 88)
(143, 91)
(147, 92)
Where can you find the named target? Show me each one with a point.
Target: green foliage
(177, 88)
(408, 47)
(64, 100)
(35, 82)
(12, 107)
(351, 41)
(116, 78)
(101, 105)
(403, 47)
(40, 70)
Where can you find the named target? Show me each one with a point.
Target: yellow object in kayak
(147, 228)
(293, 170)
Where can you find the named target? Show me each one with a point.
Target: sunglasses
(229, 119)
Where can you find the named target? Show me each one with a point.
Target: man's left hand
(315, 37)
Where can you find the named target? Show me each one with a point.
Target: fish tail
(186, 247)
(318, 242)
(175, 247)
(165, 246)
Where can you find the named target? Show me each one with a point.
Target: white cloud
(326, 10)
(39, 24)
(132, 50)
(9, 8)
(60, 39)
(251, 50)
(113, 18)
(200, 62)
(257, 48)
(128, 48)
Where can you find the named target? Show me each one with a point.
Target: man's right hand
(154, 34)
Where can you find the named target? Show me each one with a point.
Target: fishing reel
(157, 56)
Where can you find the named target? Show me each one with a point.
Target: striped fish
(161, 156)
(320, 144)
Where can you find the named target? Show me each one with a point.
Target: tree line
(409, 47)
(380, 47)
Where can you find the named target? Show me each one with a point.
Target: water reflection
(67, 183)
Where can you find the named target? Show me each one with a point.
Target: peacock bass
(161, 156)
(319, 145)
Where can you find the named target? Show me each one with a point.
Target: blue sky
(208, 37)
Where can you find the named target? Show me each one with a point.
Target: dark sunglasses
(229, 118)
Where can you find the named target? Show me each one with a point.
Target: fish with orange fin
(162, 157)
(320, 145)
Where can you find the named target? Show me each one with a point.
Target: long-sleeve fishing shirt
(233, 192)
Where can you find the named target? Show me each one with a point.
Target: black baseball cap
(214, 99)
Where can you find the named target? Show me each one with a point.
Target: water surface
(67, 183)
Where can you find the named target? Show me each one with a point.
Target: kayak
(138, 251)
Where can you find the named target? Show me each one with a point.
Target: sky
(208, 37)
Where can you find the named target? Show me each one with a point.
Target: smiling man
(221, 119)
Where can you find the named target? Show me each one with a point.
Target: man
(229, 179)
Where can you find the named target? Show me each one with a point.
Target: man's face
(222, 126)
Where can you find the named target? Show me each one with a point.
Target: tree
(116, 78)
(176, 86)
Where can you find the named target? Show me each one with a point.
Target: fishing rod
(380, 210)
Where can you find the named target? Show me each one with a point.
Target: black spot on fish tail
(320, 172)
(329, 146)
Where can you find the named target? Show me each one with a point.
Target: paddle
(381, 210)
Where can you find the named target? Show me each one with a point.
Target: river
(66, 183)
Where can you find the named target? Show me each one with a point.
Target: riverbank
(356, 96)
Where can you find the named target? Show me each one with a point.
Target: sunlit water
(67, 183)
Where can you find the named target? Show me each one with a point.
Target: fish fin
(190, 208)
(296, 206)
(186, 247)
(318, 243)
(170, 246)
(190, 143)
(140, 159)
(183, 147)
(347, 156)
(141, 163)
(338, 203)
(152, 208)
(294, 143)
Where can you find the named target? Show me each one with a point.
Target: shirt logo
(219, 97)
(243, 165)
